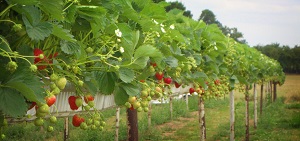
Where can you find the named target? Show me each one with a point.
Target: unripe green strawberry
(53, 119)
(91, 103)
(17, 27)
(44, 108)
(80, 83)
(50, 129)
(33, 68)
(38, 122)
(53, 77)
(12, 66)
(127, 105)
(83, 126)
(61, 83)
(140, 109)
(78, 101)
(89, 50)
(87, 107)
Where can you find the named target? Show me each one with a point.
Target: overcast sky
(261, 21)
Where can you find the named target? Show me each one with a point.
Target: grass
(280, 121)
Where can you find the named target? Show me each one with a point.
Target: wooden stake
(202, 119)
(261, 98)
(132, 125)
(232, 120)
(255, 105)
(187, 101)
(117, 123)
(247, 114)
(66, 129)
(171, 108)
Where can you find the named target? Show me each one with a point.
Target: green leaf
(24, 2)
(62, 33)
(70, 47)
(147, 50)
(27, 84)
(90, 13)
(139, 63)
(12, 102)
(106, 81)
(131, 90)
(126, 75)
(199, 75)
(171, 61)
(120, 96)
(52, 7)
(38, 31)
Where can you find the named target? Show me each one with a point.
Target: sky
(261, 21)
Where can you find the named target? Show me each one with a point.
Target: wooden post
(274, 91)
(187, 101)
(261, 98)
(132, 125)
(117, 123)
(232, 121)
(66, 129)
(149, 115)
(171, 108)
(271, 92)
(255, 105)
(247, 114)
(202, 119)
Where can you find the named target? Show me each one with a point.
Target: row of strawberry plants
(130, 48)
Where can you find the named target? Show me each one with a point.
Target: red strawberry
(77, 120)
(177, 85)
(159, 75)
(72, 102)
(50, 100)
(32, 105)
(37, 52)
(153, 64)
(217, 82)
(88, 98)
(191, 90)
(168, 80)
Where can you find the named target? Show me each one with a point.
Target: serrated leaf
(52, 7)
(199, 75)
(139, 63)
(37, 31)
(131, 90)
(24, 2)
(12, 102)
(147, 50)
(126, 75)
(90, 13)
(62, 33)
(106, 81)
(171, 61)
(70, 47)
(27, 84)
(120, 96)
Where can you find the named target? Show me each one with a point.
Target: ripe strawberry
(40, 57)
(50, 100)
(32, 105)
(88, 98)
(72, 103)
(177, 85)
(77, 120)
(159, 75)
(217, 82)
(191, 90)
(168, 80)
(153, 64)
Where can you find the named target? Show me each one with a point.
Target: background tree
(210, 18)
(177, 5)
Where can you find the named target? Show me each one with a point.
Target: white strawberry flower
(163, 30)
(172, 26)
(155, 21)
(118, 40)
(121, 49)
(118, 33)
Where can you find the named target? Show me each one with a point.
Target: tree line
(288, 57)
